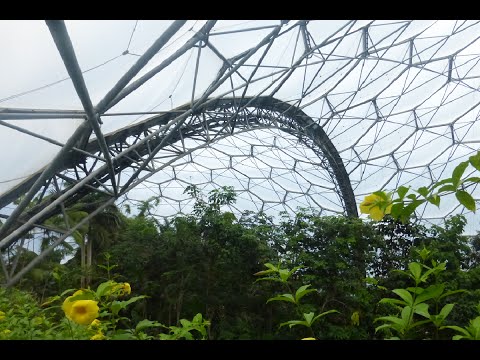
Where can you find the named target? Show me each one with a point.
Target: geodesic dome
(314, 114)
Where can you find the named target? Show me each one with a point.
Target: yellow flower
(2, 315)
(98, 336)
(374, 205)
(309, 338)
(355, 318)
(81, 311)
(126, 288)
(67, 307)
(95, 324)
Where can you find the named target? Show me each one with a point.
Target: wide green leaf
(423, 191)
(475, 161)
(402, 191)
(309, 317)
(434, 199)
(442, 182)
(406, 315)
(458, 172)
(105, 287)
(473, 179)
(466, 199)
(422, 309)
(447, 188)
(415, 271)
(446, 310)
(431, 292)
(145, 324)
(405, 295)
(302, 291)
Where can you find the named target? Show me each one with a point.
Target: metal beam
(139, 82)
(46, 174)
(213, 86)
(64, 45)
(14, 279)
(141, 62)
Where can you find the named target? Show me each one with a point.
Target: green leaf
(421, 322)
(197, 319)
(458, 172)
(402, 191)
(442, 182)
(473, 179)
(475, 161)
(270, 279)
(457, 328)
(423, 191)
(308, 317)
(105, 287)
(123, 336)
(432, 292)
(434, 199)
(284, 274)
(415, 271)
(292, 323)
(302, 291)
(405, 295)
(466, 200)
(382, 194)
(323, 314)
(392, 319)
(392, 301)
(451, 292)
(406, 315)
(264, 272)
(185, 323)
(382, 327)
(422, 309)
(119, 305)
(144, 324)
(446, 310)
(447, 188)
(396, 210)
(284, 297)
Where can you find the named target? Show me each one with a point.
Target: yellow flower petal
(67, 307)
(126, 288)
(368, 202)
(84, 311)
(376, 213)
(98, 336)
(95, 324)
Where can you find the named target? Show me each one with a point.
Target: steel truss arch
(138, 146)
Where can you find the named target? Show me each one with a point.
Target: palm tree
(96, 235)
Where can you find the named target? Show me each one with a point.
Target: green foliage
(277, 274)
(415, 301)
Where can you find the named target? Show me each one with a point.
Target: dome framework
(307, 113)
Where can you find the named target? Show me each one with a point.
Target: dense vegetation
(208, 263)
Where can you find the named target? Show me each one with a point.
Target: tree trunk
(82, 262)
(89, 260)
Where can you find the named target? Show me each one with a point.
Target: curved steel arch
(137, 147)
